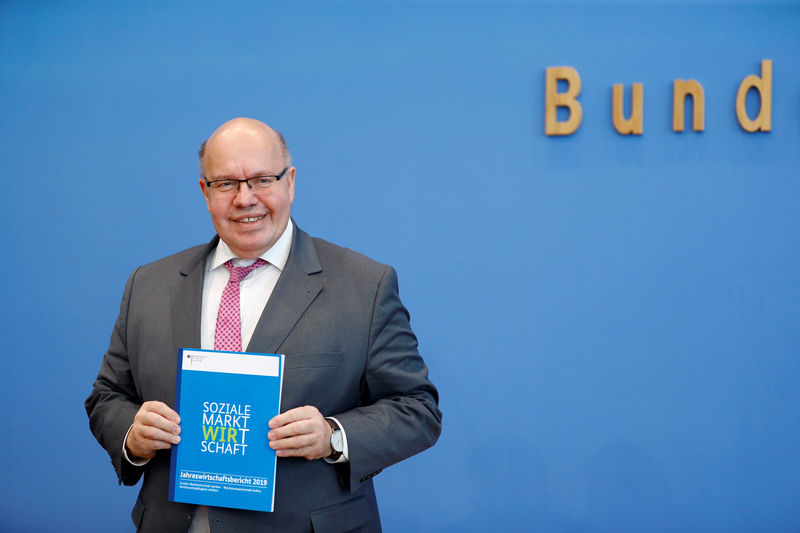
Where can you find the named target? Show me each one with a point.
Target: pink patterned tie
(228, 335)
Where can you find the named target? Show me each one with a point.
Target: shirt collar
(276, 256)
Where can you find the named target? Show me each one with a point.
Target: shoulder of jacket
(330, 253)
(176, 262)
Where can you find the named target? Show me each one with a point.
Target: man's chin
(250, 248)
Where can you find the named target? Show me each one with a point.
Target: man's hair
(287, 156)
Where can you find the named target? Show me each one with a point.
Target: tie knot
(239, 273)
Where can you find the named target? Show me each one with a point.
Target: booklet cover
(225, 400)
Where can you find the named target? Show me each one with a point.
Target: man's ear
(204, 190)
(290, 179)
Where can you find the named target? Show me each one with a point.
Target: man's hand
(155, 427)
(300, 432)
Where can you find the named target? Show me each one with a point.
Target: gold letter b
(554, 99)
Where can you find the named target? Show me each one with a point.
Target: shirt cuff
(139, 461)
(345, 457)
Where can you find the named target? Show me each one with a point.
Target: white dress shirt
(254, 290)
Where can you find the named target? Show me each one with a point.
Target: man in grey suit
(356, 394)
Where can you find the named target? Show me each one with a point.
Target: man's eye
(223, 184)
(266, 180)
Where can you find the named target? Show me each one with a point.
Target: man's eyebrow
(266, 173)
(251, 176)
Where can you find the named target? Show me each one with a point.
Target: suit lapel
(187, 299)
(297, 287)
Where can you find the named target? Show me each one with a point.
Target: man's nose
(244, 194)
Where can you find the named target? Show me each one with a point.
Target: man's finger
(296, 442)
(162, 409)
(293, 415)
(158, 414)
(307, 453)
(295, 428)
(156, 420)
(155, 434)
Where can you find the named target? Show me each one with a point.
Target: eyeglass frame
(247, 180)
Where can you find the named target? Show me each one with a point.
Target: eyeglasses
(256, 183)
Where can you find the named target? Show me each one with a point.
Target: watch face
(336, 441)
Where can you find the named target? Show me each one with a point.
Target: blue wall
(612, 321)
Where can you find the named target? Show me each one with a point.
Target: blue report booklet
(225, 400)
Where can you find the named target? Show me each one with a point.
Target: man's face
(249, 221)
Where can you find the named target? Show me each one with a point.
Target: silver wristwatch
(337, 442)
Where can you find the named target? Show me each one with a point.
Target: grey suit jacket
(350, 352)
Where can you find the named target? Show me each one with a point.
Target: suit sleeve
(114, 401)
(399, 416)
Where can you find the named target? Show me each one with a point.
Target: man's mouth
(249, 220)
